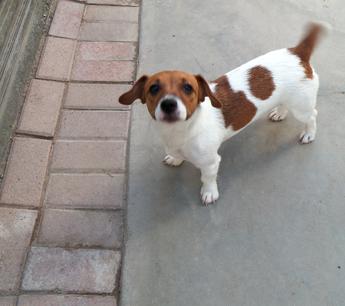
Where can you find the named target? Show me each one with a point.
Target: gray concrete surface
(276, 236)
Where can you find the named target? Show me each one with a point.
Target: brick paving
(42, 108)
(62, 198)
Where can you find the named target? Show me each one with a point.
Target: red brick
(115, 71)
(89, 156)
(57, 58)
(95, 96)
(94, 124)
(111, 13)
(85, 190)
(41, 108)
(80, 228)
(67, 19)
(105, 51)
(16, 227)
(26, 172)
(114, 31)
(78, 270)
(104, 61)
(115, 2)
(66, 300)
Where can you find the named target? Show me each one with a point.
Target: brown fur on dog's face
(190, 89)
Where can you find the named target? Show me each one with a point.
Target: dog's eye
(154, 89)
(187, 88)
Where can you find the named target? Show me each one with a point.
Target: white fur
(197, 140)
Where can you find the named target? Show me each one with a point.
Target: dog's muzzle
(170, 109)
(169, 106)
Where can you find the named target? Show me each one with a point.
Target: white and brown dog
(279, 81)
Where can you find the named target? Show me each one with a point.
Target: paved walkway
(62, 199)
(276, 235)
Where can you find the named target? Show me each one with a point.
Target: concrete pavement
(276, 236)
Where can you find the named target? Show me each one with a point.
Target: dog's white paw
(277, 114)
(307, 137)
(172, 161)
(209, 194)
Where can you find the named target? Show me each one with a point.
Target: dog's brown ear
(205, 91)
(136, 92)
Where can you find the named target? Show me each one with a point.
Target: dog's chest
(195, 145)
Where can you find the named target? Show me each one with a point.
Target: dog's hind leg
(304, 110)
(309, 133)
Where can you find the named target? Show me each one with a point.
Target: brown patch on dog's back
(237, 110)
(261, 82)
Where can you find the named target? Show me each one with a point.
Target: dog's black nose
(168, 106)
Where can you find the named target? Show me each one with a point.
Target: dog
(194, 116)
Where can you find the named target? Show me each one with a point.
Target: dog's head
(170, 96)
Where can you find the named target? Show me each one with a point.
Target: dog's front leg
(172, 159)
(209, 190)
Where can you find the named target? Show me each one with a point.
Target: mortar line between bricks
(110, 22)
(105, 4)
(17, 206)
(32, 134)
(97, 110)
(101, 82)
(110, 174)
(117, 60)
(86, 209)
(95, 140)
(86, 81)
(64, 37)
(52, 80)
(81, 138)
(75, 108)
(80, 41)
(74, 248)
(61, 292)
(87, 171)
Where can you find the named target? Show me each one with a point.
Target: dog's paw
(209, 194)
(307, 137)
(277, 114)
(172, 161)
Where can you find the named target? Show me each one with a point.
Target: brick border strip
(66, 178)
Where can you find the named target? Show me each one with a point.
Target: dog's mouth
(170, 118)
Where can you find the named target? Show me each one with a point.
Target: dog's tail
(306, 46)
